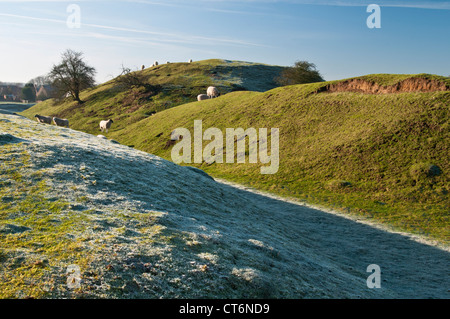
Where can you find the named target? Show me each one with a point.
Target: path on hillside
(226, 240)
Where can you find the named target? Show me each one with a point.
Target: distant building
(9, 92)
(43, 92)
(9, 97)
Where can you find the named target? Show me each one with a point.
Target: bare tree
(72, 75)
(136, 81)
(40, 80)
(130, 79)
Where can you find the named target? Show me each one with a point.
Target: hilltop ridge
(171, 84)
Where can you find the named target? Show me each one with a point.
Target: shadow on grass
(256, 77)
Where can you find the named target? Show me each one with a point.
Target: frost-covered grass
(34, 230)
(139, 226)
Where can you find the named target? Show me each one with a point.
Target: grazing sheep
(212, 92)
(43, 119)
(105, 125)
(142, 67)
(156, 63)
(167, 62)
(202, 97)
(61, 122)
(190, 60)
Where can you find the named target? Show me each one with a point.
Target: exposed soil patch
(364, 86)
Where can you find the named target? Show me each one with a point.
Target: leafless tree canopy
(72, 75)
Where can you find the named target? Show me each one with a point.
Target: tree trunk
(77, 97)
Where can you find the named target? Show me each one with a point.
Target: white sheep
(190, 60)
(202, 97)
(61, 122)
(43, 119)
(167, 62)
(142, 67)
(155, 63)
(212, 92)
(105, 125)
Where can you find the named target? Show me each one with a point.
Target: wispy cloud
(436, 5)
(31, 18)
(64, 1)
(433, 4)
(424, 5)
(174, 37)
(161, 36)
(204, 6)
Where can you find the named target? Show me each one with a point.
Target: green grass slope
(82, 217)
(381, 156)
(175, 84)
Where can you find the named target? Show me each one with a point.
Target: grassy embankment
(171, 85)
(380, 156)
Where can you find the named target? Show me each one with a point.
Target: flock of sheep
(211, 93)
(49, 119)
(156, 64)
(105, 125)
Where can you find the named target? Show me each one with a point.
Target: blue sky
(414, 36)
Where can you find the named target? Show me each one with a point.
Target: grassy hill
(380, 156)
(85, 217)
(170, 85)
